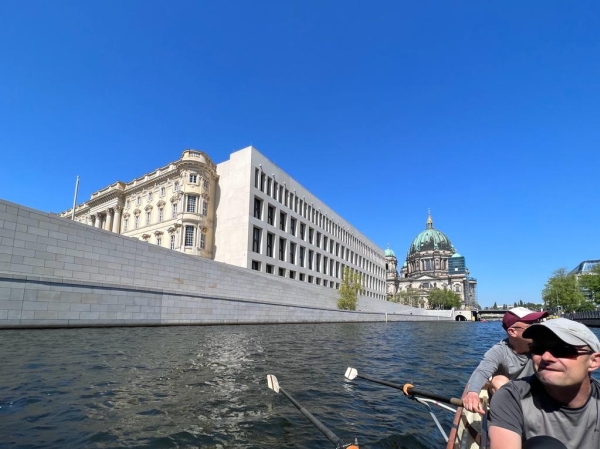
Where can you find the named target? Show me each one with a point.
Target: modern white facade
(269, 222)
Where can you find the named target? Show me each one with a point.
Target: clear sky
(486, 112)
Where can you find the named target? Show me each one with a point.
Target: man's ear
(594, 362)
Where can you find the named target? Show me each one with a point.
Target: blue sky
(485, 112)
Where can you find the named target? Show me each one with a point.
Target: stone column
(109, 220)
(97, 221)
(116, 225)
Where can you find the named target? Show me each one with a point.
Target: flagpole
(75, 198)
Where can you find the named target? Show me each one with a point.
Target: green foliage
(350, 288)
(562, 291)
(408, 297)
(591, 284)
(443, 299)
(533, 306)
(495, 306)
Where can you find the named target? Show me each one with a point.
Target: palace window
(282, 219)
(148, 215)
(202, 240)
(176, 187)
(271, 215)
(270, 240)
(293, 226)
(174, 210)
(159, 241)
(204, 208)
(256, 240)
(149, 196)
(281, 248)
(162, 191)
(172, 243)
(125, 224)
(137, 222)
(161, 214)
(189, 235)
(191, 204)
(193, 178)
(257, 208)
(138, 200)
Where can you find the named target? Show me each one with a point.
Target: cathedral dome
(430, 240)
(389, 252)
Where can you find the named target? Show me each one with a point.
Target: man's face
(516, 331)
(559, 364)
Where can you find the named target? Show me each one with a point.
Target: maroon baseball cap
(521, 314)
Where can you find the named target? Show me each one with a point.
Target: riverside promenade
(58, 273)
(590, 319)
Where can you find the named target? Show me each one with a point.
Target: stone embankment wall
(55, 272)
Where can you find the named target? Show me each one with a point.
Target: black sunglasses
(558, 350)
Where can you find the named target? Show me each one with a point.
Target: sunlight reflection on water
(205, 387)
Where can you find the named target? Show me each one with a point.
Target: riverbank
(58, 273)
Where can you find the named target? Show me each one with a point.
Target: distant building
(586, 268)
(245, 212)
(431, 262)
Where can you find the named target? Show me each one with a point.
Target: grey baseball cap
(569, 331)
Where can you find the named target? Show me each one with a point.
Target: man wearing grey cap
(561, 400)
(506, 360)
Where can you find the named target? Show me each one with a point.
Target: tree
(409, 297)
(495, 306)
(350, 288)
(443, 299)
(562, 292)
(590, 283)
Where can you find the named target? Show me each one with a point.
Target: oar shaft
(454, 401)
(437, 397)
(379, 381)
(318, 424)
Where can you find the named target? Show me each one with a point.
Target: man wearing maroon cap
(506, 360)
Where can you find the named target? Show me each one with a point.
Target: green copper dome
(389, 252)
(430, 240)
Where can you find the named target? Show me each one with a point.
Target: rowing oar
(339, 444)
(408, 389)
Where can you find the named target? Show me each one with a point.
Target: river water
(205, 386)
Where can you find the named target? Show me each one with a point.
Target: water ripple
(205, 387)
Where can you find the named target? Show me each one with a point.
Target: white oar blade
(273, 384)
(351, 373)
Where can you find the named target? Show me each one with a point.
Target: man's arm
(506, 428)
(488, 366)
(501, 438)
(486, 369)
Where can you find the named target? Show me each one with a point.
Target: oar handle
(409, 390)
(412, 391)
(339, 444)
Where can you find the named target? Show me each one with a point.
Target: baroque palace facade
(246, 212)
(431, 262)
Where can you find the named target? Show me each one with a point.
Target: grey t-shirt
(524, 407)
(500, 359)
